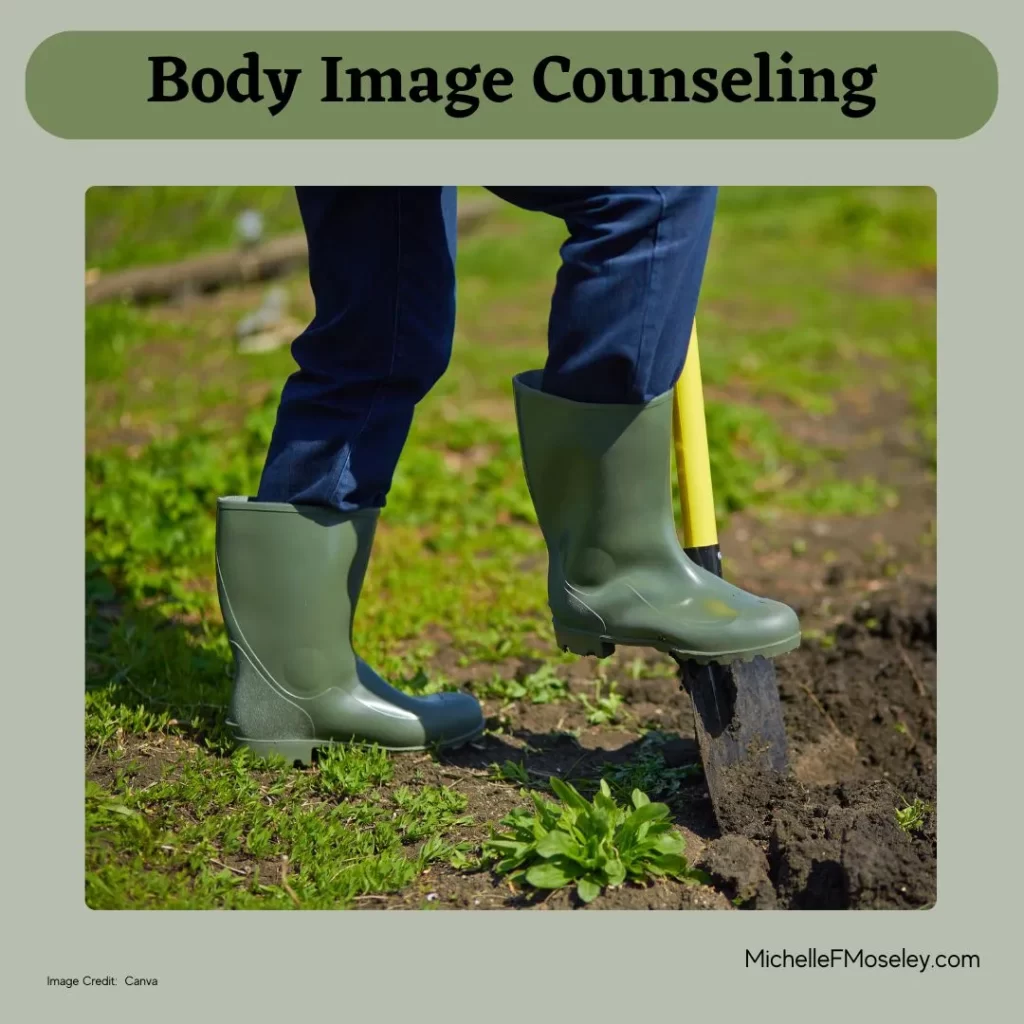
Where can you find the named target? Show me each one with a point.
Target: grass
(809, 300)
(130, 225)
(540, 687)
(175, 842)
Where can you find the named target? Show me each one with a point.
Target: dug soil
(860, 720)
(859, 702)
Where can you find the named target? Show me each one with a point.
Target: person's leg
(291, 563)
(595, 427)
(626, 292)
(381, 266)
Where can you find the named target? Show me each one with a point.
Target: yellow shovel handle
(693, 464)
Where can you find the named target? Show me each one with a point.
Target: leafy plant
(422, 684)
(605, 707)
(594, 845)
(511, 771)
(462, 858)
(540, 687)
(911, 816)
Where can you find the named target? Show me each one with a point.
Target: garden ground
(817, 326)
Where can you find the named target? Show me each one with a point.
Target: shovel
(737, 713)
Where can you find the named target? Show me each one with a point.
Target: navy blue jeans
(382, 270)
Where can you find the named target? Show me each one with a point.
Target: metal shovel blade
(738, 721)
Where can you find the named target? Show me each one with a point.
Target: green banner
(511, 85)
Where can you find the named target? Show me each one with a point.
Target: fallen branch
(200, 273)
(214, 270)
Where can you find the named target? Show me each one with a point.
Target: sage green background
(449, 966)
(929, 85)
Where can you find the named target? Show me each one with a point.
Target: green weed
(542, 686)
(911, 816)
(606, 705)
(510, 771)
(592, 845)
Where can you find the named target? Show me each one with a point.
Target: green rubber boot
(599, 476)
(289, 578)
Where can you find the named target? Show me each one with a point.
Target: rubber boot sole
(596, 645)
(302, 751)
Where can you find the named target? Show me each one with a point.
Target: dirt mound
(859, 711)
(860, 714)
(865, 705)
(824, 847)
